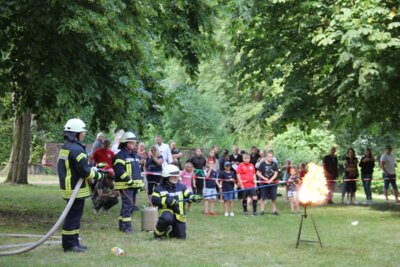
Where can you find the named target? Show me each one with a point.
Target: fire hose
(44, 238)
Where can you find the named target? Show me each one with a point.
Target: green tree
(59, 56)
(338, 60)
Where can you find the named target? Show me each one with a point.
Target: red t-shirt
(103, 155)
(246, 172)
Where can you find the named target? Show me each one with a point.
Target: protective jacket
(126, 166)
(166, 197)
(73, 164)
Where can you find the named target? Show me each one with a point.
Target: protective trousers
(169, 226)
(128, 198)
(70, 231)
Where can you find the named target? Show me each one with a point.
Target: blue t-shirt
(227, 186)
(212, 183)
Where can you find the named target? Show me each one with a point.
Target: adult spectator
(115, 146)
(199, 163)
(268, 172)
(330, 165)
(98, 143)
(154, 169)
(142, 153)
(224, 158)
(235, 158)
(104, 195)
(388, 165)
(254, 155)
(367, 164)
(176, 155)
(103, 154)
(216, 151)
(351, 174)
(165, 151)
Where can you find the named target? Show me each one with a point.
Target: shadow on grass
(30, 219)
(385, 207)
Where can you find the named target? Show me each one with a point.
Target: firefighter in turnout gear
(166, 196)
(73, 165)
(128, 180)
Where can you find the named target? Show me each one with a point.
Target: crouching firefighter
(166, 196)
(128, 178)
(73, 165)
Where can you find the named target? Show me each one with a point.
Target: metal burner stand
(303, 217)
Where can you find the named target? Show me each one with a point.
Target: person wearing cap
(72, 166)
(388, 166)
(168, 197)
(128, 180)
(228, 178)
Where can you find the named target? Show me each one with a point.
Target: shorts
(209, 191)
(269, 192)
(292, 194)
(249, 193)
(391, 180)
(229, 196)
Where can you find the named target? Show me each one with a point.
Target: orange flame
(314, 189)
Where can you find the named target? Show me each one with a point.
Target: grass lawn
(212, 241)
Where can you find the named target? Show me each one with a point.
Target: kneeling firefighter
(166, 196)
(72, 165)
(128, 179)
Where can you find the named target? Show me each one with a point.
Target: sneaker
(275, 213)
(262, 213)
(226, 214)
(255, 213)
(232, 214)
(245, 213)
(75, 249)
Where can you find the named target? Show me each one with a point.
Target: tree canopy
(338, 61)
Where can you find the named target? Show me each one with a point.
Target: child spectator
(104, 196)
(188, 179)
(228, 179)
(210, 189)
(268, 172)
(292, 190)
(246, 175)
(351, 173)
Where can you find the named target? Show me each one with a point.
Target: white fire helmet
(171, 171)
(128, 137)
(75, 125)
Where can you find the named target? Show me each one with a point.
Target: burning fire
(313, 190)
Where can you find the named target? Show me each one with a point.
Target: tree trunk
(19, 158)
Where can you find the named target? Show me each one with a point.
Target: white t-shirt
(165, 152)
(389, 163)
